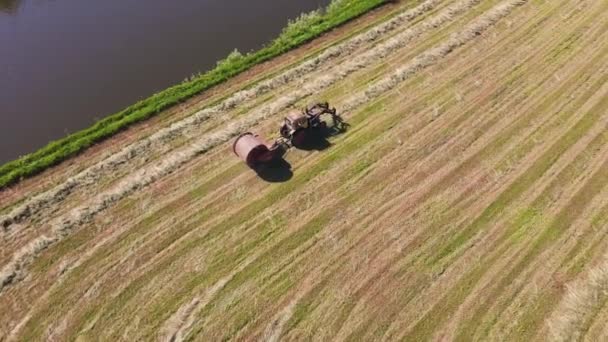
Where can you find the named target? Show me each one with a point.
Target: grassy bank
(298, 32)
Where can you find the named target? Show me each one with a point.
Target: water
(66, 63)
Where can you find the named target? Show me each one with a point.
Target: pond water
(66, 63)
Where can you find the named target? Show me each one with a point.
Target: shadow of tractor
(275, 171)
(317, 139)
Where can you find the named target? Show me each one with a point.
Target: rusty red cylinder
(253, 150)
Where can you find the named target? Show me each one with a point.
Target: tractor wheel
(299, 138)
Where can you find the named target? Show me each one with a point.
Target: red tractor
(254, 151)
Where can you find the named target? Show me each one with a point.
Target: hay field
(468, 200)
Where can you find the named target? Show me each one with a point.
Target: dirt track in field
(467, 201)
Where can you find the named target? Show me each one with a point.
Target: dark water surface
(66, 63)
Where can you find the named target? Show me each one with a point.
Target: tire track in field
(36, 206)
(143, 178)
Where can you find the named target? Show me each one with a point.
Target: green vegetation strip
(298, 32)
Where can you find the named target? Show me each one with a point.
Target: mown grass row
(305, 28)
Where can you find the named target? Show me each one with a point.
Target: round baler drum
(252, 150)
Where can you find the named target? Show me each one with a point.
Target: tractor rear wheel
(298, 138)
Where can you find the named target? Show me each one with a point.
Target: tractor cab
(294, 122)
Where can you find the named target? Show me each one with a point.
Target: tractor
(297, 125)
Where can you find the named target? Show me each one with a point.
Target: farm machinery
(296, 128)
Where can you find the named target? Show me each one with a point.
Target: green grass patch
(305, 306)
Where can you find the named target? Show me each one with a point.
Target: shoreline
(299, 32)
